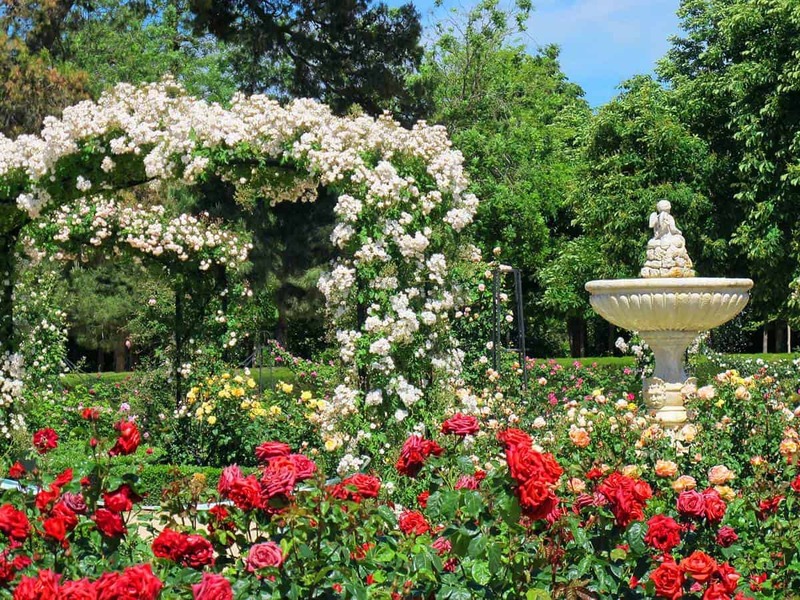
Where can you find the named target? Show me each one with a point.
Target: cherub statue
(662, 222)
(666, 250)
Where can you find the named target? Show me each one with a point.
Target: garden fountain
(669, 307)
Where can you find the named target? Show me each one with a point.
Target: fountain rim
(655, 285)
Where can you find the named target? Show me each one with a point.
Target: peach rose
(666, 468)
(707, 392)
(741, 393)
(577, 486)
(684, 482)
(579, 437)
(720, 475)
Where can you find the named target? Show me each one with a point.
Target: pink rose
(266, 554)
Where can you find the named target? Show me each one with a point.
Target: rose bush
(505, 511)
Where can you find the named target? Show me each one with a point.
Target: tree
(635, 151)
(736, 76)
(515, 117)
(342, 53)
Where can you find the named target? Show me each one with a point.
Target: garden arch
(402, 203)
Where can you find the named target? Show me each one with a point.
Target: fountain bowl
(669, 313)
(690, 304)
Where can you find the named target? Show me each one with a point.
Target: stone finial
(666, 251)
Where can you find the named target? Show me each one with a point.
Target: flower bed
(583, 499)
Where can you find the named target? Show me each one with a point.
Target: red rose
(121, 499)
(134, 583)
(43, 587)
(82, 589)
(245, 493)
(769, 505)
(525, 463)
(16, 471)
(413, 521)
(90, 414)
(128, 440)
(64, 512)
(266, 554)
(625, 497)
(14, 523)
(715, 506)
(668, 580)
(74, 502)
(514, 438)
(47, 497)
(537, 498)
(460, 424)
(229, 475)
(594, 473)
(699, 565)
(691, 503)
(728, 577)
(197, 552)
(422, 498)
(55, 528)
(269, 450)
(716, 591)
(279, 478)
(64, 478)
(366, 486)
(726, 536)
(169, 544)
(663, 533)
(109, 524)
(304, 467)
(413, 454)
(45, 440)
(212, 587)
(795, 484)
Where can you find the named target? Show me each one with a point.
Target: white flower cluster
(397, 232)
(98, 221)
(12, 375)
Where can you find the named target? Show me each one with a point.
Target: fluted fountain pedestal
(668, 313)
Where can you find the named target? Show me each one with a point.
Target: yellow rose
(211, 420)
(274, 410)
(330, 445)
(238, 379)
(727, 493)
(286, 388)
(306, 396)
(251, 383)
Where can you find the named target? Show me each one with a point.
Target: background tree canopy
(565, 190)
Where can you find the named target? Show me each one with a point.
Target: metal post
(178, 342)
(520, 326)
(495, 305)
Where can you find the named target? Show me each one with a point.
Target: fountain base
(665, 401)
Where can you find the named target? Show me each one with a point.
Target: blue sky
(603, 42)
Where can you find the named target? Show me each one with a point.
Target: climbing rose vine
(402, 201)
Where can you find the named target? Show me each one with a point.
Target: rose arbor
(402, 203)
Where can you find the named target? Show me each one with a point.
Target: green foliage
(516, 118)
(636, 151)
(736, 80)
(343, 53)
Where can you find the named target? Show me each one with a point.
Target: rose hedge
(553, 511)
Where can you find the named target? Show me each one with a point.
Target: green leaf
(481, 573)
(537, 595)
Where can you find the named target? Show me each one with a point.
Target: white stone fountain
(669, 307)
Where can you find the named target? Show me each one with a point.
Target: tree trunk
(780, 338)
(119, 357)
(7, 243)
(576, 327)
(765, 340)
